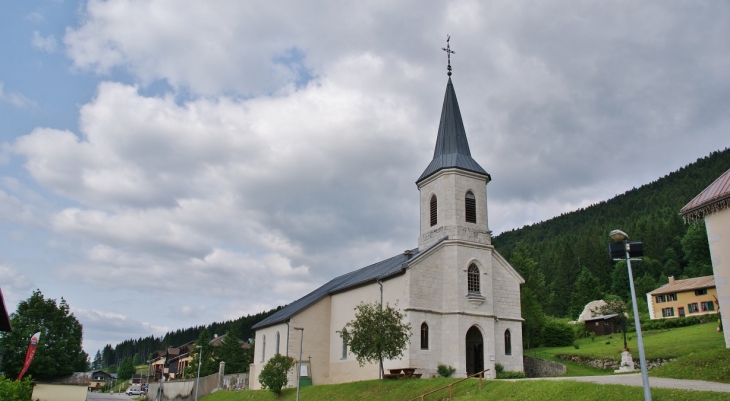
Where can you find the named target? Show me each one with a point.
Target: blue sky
(164, 165)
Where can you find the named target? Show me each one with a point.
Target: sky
(170, 163)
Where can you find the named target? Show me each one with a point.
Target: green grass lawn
(403, 390)
(664, 344)
(699, 351)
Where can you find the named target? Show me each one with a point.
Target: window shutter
(434, 215)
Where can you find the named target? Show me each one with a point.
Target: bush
(660, 324)
(445, 370)
(11, 390)
(557, 334)
(575, 345)
(510, 375)
(498, 367)
(273, 375)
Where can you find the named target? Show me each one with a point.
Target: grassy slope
(493, 390)
(699, 351)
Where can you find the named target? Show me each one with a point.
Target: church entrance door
(474, 351)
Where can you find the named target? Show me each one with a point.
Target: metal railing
(451, 386)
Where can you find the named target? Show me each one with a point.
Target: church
(460, 296)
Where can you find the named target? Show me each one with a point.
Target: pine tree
(231, 352)
(96, 365)
(587, 289)
(208, 363)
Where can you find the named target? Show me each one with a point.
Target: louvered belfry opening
(473, 279)
(434, 215)
(470, 204)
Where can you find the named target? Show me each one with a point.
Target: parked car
(133, 391)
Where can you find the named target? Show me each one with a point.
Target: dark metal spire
(452, 147)
(449, 52)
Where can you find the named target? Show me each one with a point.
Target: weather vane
(449, 52)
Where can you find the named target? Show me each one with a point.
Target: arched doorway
(474, 351)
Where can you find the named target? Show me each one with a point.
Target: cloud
(14, 98)
(44, 43)
(101, 328)
(15, 286)
(282, 148)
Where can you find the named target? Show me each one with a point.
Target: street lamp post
(299, 365)
(622, 237)
(197, 381)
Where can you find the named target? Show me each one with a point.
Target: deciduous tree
(377, 333)
(126, 369)
(273, 375)
(59, 351)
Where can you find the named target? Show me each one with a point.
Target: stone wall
(184, 390)
(535, 367)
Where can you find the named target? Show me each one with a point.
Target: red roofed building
(713, 205)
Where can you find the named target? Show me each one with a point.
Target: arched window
(263, 347)
(507, 342)
(277, 343)
(424, 335)
(470, 205)
(473, 279)
(434, 215)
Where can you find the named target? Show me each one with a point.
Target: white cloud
(46, 44)
(285, 151)
(14, 98)
(15, 286)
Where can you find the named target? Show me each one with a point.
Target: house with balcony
(681, 298)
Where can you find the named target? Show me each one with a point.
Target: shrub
(511, 375)
(575, 345)
(499, 368)
(273, 375)
(11, 390)
(660, 324)
(556, 333)
(445, 370)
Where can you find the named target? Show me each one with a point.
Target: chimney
(671, 279)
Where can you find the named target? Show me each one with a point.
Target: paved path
(634, 379)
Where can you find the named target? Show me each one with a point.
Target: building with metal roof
(460, 297)
(713, 205)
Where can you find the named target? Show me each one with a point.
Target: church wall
(270, 350)
(718, 234)
(316, 323)
(343, 311)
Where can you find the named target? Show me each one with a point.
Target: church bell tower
(453, 188)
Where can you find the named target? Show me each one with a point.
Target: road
(108, 397)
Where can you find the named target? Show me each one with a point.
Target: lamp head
(618, 235)
(298, 328)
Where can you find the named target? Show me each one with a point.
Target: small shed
(603, 325)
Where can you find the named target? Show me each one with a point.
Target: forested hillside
(565, 259)
(112, 355)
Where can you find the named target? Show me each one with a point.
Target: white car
(132, 391)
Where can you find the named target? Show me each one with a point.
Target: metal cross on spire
(449, 52)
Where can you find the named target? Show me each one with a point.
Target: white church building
(461, 297)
